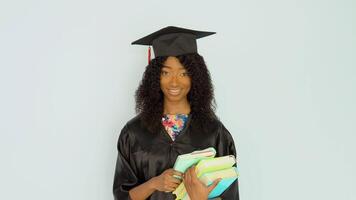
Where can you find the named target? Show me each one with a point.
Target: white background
(284, 76)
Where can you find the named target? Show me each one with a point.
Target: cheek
(163, 82)
(187, 83)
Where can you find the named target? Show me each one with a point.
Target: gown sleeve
(125, 177)
(225, 146)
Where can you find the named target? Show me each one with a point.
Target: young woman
(175, 106)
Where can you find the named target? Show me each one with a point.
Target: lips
(174, 92)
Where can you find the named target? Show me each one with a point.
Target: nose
(173, 81)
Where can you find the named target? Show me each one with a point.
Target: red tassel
(149, 55)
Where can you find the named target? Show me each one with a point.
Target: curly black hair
(149, 97)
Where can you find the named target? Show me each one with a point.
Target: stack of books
(208, 168)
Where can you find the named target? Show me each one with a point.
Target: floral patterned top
(174, 124)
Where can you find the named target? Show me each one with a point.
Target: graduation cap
(172, 41)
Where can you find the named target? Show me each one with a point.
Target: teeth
(174, 91)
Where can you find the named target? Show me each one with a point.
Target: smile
(174, 91)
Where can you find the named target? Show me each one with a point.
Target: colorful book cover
(215, 164)
(209, 170)
(185, 161)
(228, 177)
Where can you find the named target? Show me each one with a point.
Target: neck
(180, 107)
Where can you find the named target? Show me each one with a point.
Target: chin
(175, 98)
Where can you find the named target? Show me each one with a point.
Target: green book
(210, 169)
(215, 164)
(185, 161)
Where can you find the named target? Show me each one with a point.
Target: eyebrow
(163, 66)
(166, 66)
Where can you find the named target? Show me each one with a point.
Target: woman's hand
(195, 188)
(166, 182)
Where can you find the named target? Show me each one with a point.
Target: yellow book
(210, 169)
(215, 164)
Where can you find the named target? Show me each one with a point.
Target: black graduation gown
(143, 155)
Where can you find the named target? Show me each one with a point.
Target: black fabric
(143, 155)
(173, 41)
(174, 44)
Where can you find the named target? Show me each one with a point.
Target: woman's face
(175, 81)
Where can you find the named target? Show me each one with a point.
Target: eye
(164, 73)
(184, 74)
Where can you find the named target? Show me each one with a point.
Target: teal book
(228, 176)
(210, 169)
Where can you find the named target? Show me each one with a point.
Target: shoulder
(213, 125)
(134, 122)
(132, 128)
(131, 125)
(225, 144)
(220, 128)
(127, 135)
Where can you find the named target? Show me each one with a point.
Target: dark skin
(175, 84)
(195, 188)
(165, 182)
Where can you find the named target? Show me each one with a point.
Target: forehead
(172, 63)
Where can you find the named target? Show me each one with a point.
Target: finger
(173, 185)
(169, 171)
(172, 182)
(193, 175)
(175, 180)
(212, 186)
(192, 169)
(178, 173)
(187, 176)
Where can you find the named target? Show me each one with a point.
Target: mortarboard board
(173, 41)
